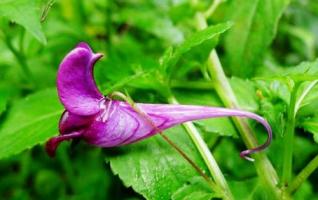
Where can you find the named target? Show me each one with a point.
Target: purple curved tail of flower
(177, 114)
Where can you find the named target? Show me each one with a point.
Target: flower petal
(115, 125)
(70, 122)
(76, 87)
(125, 125)
(54, 142)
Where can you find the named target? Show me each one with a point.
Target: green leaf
(275, 113)
(243, 188)
(155, 169)
(197, 188)
(255, 24)
(311, 125)
(250, 189)
(4, 96)
(30, 121)
(305, 71)
(309, 104)
(228, 156)
(307, 96)
(242, 89)
(274, 99)
(212, 32)
(3, 102)
(26, 13)
(202, 36)
(305, 191)
(137, 72)
(154, 23)
(304, 149)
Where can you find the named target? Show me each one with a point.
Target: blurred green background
(133, 35)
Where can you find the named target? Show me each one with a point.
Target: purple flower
(104, 122)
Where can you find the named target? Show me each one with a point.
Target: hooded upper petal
(76, 86)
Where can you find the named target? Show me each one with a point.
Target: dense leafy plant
(257, 56)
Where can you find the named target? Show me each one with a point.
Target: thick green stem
(206, 155)
(289, 138)
(222, 86)
(303, 175)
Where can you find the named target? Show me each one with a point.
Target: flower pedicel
(104, 122)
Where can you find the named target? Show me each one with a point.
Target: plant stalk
(289, 138)
(207, 156)
(212, 8)
(224, 90)
(303, 175)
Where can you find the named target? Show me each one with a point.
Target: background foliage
(261, 43)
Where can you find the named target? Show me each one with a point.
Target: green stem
(294, 106)
(46, 10)
(222, 86)
(20, 58)
(303, 175)
(212, 8)
(206, 155)
(289, 138)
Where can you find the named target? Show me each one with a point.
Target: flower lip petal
(54, 142)
(70, 122)
(76, 86)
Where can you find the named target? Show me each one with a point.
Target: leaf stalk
(289, 138)
(206, 154)
(303, 175)
(224, 90)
